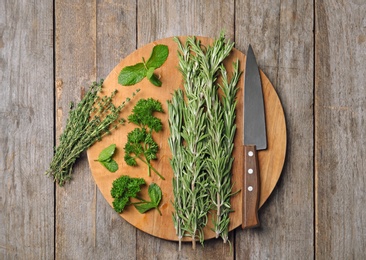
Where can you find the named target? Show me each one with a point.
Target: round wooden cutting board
(270, 161)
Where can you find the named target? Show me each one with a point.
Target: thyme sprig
(93, 117)
(202, 127)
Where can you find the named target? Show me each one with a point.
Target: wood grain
(87, 32)
(340, 107)
(281, 35)
(26, 130)
(93, 36)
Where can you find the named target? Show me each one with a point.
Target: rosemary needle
(202, 127)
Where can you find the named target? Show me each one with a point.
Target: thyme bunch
(92, 118)
(202, 134)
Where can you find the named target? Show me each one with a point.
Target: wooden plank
(26, 126)
(161, 19)
(89, 33)
(340, 102)
(116, 38)
(281, 35)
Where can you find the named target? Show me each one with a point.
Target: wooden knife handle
(251, 188)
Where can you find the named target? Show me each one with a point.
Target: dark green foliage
(142, 114)
(140, 143)
(123, 189)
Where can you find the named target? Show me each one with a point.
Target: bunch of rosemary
(92, 118)
(202, 134)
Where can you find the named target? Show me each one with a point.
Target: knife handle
(251, 188)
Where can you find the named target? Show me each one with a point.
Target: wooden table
(314, 53)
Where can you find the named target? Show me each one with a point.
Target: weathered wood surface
(340, 106)
(313, 52)
(26, 130)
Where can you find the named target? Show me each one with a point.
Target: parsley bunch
(140, 143)
(125, 188)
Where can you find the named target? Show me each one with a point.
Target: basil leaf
(158, 56)
(111, 165)
(155, 193)
(131, 75)
(154, 80)
(107, 153)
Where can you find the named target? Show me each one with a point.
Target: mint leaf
(110, 164)
(107, 153)
(155, 193)
(158, 56)
(154, 80)
(142, 208)
(150, 72)
(131, 75)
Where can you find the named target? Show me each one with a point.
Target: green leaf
(155, 81)
(150, 72)
(111, 165)
(158, 56)
(107, 153)
(155, 193)
(131, 75)
(142, 208)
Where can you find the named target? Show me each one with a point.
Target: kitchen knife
(254, 139)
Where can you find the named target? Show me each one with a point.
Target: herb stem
(202, 137)
(93, 118)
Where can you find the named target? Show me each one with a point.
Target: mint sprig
(105, 158)
(131, 75)
(155, 195)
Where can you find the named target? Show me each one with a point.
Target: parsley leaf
(140, 143)
(123, 189)
(142, 114)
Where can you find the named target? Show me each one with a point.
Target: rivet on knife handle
(251, 188)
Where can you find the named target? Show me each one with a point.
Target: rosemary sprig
(193, 184)
(222, 129)
(175, 121)
(202, 135)
(92, 118)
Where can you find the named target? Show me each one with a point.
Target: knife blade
(255, 139)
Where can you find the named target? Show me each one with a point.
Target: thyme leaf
(91, 119)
